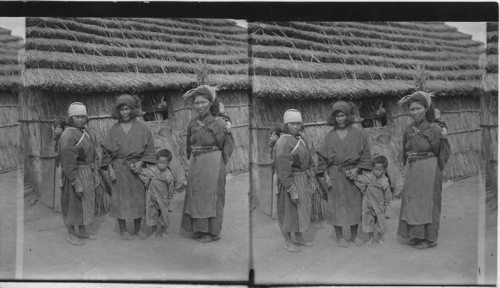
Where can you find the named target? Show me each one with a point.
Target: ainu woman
(425, 153)
(207, 149)
(128, 144)
(294, 167)
(77, 158)
(341, 154)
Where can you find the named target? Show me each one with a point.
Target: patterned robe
(335, 156)
(376, 197)
(77, 159)
(294, 167)
(121, 149)
(421, 197)
(159, 194)
(205, 193)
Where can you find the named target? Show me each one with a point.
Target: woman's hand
(293, 194)
(78, 189)
(112, 175)
(137, 166)
(352, 174)
(328, 181)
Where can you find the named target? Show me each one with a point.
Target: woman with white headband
(294, 167)
(77, 159)
(425, 154)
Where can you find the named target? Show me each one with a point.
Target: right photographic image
(373, 152)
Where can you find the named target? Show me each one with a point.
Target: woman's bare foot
(300, 241)
(414, 241)
(380, 241)
(342, 242)
(152, 235)
(370, 241)
(164, 235)
(205, 239)
(291, 247)
(73, 239)
(125, 235)
(141, 235)
(358, 241)
(85, 234)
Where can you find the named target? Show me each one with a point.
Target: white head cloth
(77, 109)
(427, 97)
(292, 115)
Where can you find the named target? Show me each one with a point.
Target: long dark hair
(134, 112)
(330, 120)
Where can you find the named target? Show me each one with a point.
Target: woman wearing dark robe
(205, 194)
(294, 167)
(77, 159)
(341, 154)
(421, 196)
(126, 147)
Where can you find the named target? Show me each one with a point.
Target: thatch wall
(39, 108)
(9, 131)
(308, 65)
(460, 113)
(10, 71)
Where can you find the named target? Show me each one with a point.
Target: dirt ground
(462, 257)
(47, 254)
(8, 224)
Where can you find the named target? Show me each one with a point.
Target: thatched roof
(490, 81)
(133, 54)
(301, 60)
(10, 70)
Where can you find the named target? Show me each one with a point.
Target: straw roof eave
(100, 82)
(287, 88)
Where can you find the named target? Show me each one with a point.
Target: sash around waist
(416, 156)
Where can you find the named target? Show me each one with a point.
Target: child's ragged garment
(159, 193)
(376, 197)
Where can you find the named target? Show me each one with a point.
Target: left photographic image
(134, 147)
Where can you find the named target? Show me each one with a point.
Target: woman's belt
(197, 150)
(414, 156)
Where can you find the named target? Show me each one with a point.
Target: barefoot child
(376, 192)
(224, 116)
(439, 122)
(159, 192)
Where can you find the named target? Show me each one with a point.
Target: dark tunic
(335, 156)
(421, 202)
(209, 168)
(121, 149)
(71, 158)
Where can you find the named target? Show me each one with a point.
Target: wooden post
(489, 130)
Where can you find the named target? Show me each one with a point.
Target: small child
(376, 192)
(439, 122)
(159, 192)
(274, 135)
(224, 116)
